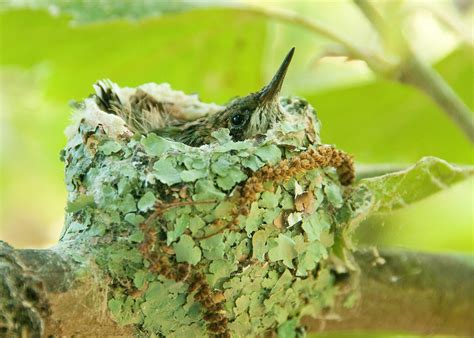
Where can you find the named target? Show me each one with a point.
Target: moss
(230, 238)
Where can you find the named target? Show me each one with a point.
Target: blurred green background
(50, 54)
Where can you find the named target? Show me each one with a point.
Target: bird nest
(227, 239)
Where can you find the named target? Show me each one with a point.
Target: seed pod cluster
(321, 157)
(213, 302)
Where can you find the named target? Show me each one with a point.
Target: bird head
(254, 114)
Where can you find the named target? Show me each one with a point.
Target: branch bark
(48, 292)
(423, 77)
(412, 292)
(60, 291)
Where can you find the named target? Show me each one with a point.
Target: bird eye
(237, 119)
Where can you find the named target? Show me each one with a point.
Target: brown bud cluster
(213, 302)
(321, 157)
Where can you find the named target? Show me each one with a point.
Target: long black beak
(271, 90)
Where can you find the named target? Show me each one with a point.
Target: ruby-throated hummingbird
(245, 117)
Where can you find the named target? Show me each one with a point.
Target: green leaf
(284, 250)
(334, 194)
(193, 175)
(80, 203)
(428, 176)
(314, 224)
(309, 254)
(254, 219)
(115, 306)
(154, 145)
(222, 135)
(127, 204)
(269, 153)
(232, 177)
(110, 147)
(206, 191)
(86, 11)
(187, 251)
(213, 247)
(253, 162)
(134, 218)
(229, 173)
(166, 172)
(181, 223)
(136, 237)
(195, 224)
(147, 201)
(139, 278)
(259, 246)
(288, 329)
(269, 199)
(220, 269)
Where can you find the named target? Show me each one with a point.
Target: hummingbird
(245, 117)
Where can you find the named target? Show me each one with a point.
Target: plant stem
(374, 170)
(374, 60)
(379, 169)
(452, 23)
(416, 73)
(372, 15)
(413, 71)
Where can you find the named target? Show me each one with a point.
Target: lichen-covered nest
(228, 239)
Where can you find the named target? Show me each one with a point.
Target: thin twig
(374, 60)
(391, 39)
(413, 71)
(380, 169)
(453, 24)
(372, 15)
(420, 75)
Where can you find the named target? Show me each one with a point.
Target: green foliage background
(48, 57)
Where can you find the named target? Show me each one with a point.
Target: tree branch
(412, 292)
(416, 73)
(47, 292)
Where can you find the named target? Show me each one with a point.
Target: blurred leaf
(428, 176)
(389, 122)
(441, 222)
(189, 50)
(84, 11)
